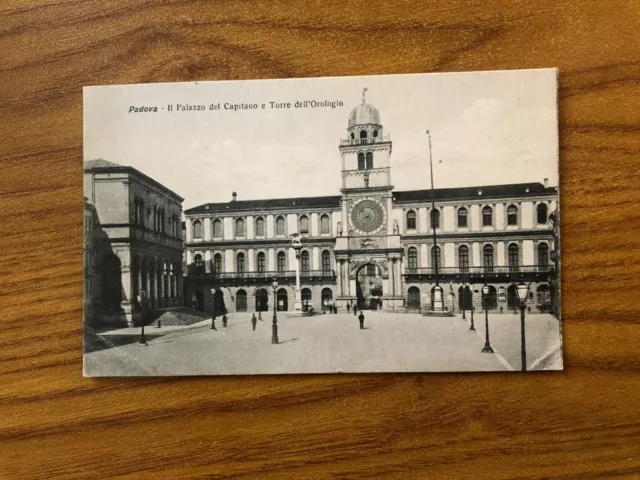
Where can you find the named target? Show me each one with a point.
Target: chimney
(234, 196)
(546, 183)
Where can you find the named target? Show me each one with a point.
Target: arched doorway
(544, 298)
(513, 303)
(262, 300)
(283, 300)
(306, 299)
(368, 286)
(241, 301)
(492, 299)
(199, 300)
(413, 300)
(327, 298)
(464, 298)
(111, 284)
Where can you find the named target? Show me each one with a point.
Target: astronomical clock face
(368, 216)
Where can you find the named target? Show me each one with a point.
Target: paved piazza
(329, 343)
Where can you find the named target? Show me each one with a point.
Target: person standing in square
(361, 319)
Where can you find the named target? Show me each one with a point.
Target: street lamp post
(274, 327)
(523, 293)
(463, 299)
(485, 296)
(213, 309)
(473, 327)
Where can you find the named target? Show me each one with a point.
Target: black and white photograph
(394, 223)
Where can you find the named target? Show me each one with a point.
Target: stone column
(393, 277)
(127, 288)
(339, 278)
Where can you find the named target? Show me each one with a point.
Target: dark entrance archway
(241, 301)
(283, 300)
(327, 298)
(491, 302)
(306, 299)
(369, 287)
(413, 300)
(464, 298)
(513, 303)
(262, 300)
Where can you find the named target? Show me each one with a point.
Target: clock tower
(368, 246)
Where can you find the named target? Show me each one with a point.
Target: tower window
(541, 210)
(462, 218)
(369, 160)
(304, 225)
(240, 227)
(304, 261)
(363, 134)
(324, 224)
(352, 136)
(435, 218)
(260, 227)
(463, 258)
(361, 163)
(280, 226)
(512, 215)
(411, 220)
(413, 258)
(375, 133)
(487, 217)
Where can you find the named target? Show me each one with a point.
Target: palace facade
(372, 245)
(133, 243)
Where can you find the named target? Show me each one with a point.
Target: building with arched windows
(133, 243)
(372, 245)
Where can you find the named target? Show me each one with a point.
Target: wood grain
(581, 423)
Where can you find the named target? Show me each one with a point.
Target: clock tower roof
(364, 114)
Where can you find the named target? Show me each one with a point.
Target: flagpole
(437, 300)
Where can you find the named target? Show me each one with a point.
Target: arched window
(197, 229)
(142, 213)
(488, 258)
(375, 133)
(513, 257)
(324, 224)
(361, 163)
(240, 263)
(217, 228)
(163, 221)
(282, 261)
(413, 258)
(260, 227)
(543, 255)
(240, 227)
(363, 135)
(136, 211)
(462, 218)
(304, 225)
(411, 220)
(435, 257)
(541, 210)
(352, 136)
(217, 263)
(261, 262)
(197, 260)
(280, 226)
(304, 261)
(326, 261)
(369, 160)
(487, 216)
(155, 219)
(512, 215)
(463, 258)
(435, 218)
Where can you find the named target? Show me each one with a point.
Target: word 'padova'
(134, 109)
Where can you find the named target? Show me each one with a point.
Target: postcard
(394, 223)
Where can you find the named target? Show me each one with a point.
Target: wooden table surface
(580, 423)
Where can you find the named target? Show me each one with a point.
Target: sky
(486, 128)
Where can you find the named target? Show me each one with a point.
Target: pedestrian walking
(361, 319)
(254, 320)
(335, 309)
(348, 308)
(355, 310)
